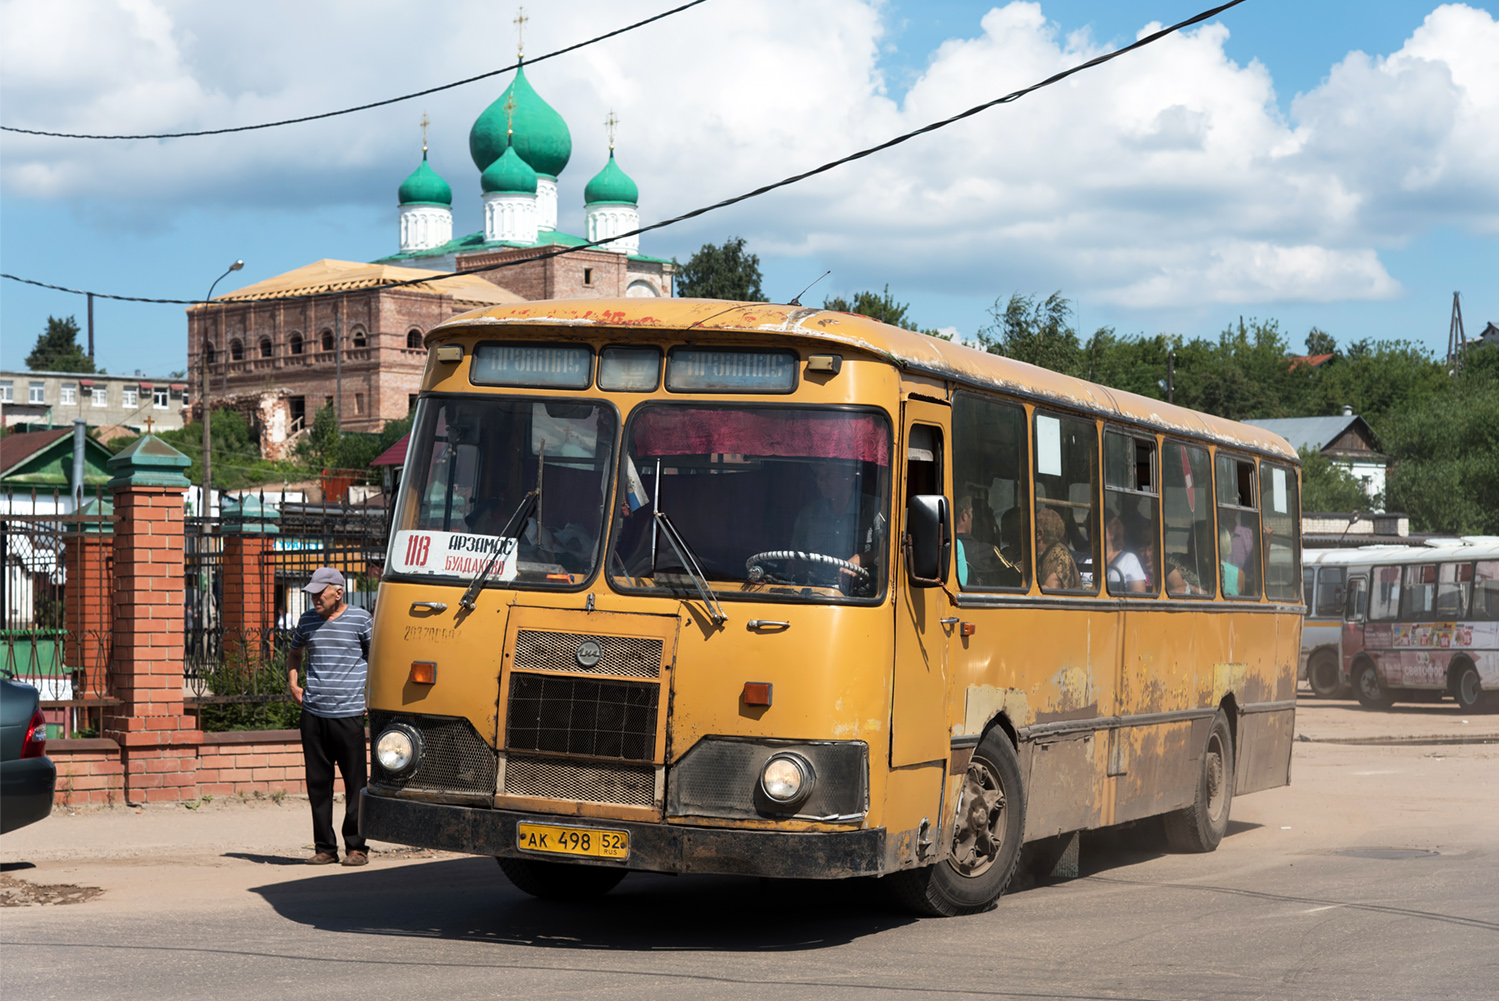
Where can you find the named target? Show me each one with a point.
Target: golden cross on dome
(610, 123)
(425, 123)
(520, 32)
(509, 106)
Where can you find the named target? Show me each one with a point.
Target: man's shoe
(357, 856)
(322, 858)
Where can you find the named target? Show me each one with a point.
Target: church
(275, 355)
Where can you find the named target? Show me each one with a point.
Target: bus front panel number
(572, 840)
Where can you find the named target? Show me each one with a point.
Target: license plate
(588, 841)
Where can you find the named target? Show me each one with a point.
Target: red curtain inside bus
(784, 433)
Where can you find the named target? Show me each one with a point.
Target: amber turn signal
(969, 629)
(423, 672)
(757, 693)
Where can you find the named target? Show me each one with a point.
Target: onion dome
(540, 135)
(509, 174)
(611, 185)
(425, 187)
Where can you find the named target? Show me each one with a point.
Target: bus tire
(1201, 826)
(1466, 687)
(1322, 675)
(986, 839)
(1371, 694)
(560, 880)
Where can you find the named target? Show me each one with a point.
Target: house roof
(17, 448)
(44, 458)
(349, 276)
(395, 455)
(1315, 433)
(1311, 361)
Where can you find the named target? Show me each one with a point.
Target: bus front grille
(586, 782)
(622, 656)
(455, 758)
(583, 716)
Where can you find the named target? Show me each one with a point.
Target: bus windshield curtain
(791, 434)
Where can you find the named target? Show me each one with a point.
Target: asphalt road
(1373, 876)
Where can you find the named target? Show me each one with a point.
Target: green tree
(57, 349)
(1328, 486)
(1032, 331)
(320, 447)
(236, 451)
(721, 272)
(880, 306)
(1377, 380)
(1320, 342)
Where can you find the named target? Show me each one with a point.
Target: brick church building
(333, 332)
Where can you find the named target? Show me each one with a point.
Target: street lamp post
(203, 391)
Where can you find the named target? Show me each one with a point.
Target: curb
(1477, 738)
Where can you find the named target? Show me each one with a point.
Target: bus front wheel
(560, 880)
(1322, 675)
(986, 839)
(1366, 685)
(1202, 825)
(1466, 687)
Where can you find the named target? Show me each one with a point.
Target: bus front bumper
(654, 847)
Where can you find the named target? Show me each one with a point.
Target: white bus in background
(1422, 621)
(1325, 574)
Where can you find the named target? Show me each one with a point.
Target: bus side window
(991, 492)
(1238, 528)
(1353, 611)
(1330, 593)
(1187, 548)
(1384, 596)
(1454, 585)
(1066, 504)
(1418, 596)
(1131, 519)
(1281, 529)
(1485, 590)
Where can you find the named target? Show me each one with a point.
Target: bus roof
(908, 350)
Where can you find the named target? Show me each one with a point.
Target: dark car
(27, 775)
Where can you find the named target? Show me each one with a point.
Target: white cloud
(1167, 177)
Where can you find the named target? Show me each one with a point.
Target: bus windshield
(774, 501)
(476, 461)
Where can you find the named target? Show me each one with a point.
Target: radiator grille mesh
(590, 782)
(625, 656)
(606, 719)
(455, 758)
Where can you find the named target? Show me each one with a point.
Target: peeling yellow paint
(985, 702)
(1228, 677)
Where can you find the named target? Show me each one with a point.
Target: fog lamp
(787, 778)
(398, 749)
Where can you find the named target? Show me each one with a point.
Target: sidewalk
(1344, 721)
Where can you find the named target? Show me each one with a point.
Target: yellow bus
(693, 586)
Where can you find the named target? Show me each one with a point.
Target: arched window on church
(294, 343)
(209, 354)
(413, 338)
(236, 350)
(265, 347)
(359, 339)
(327, 340)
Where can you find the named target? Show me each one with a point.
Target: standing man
(332, 710)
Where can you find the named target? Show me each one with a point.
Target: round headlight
(787, 778)
(396, 750)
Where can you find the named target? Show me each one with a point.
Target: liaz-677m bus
(691, 586)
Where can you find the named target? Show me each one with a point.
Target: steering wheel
(752, 564)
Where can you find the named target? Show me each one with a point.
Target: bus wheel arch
(1200, 827)
(1371, 692)
(1464, 683)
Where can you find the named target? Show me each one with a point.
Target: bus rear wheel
(1201, 826)
(986, 839)
(1322, 675)
(560, 880)
(1466, 688)
(1371, 694)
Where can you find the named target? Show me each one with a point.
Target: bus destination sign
(540, 366)
(709, 370)
(452, 554)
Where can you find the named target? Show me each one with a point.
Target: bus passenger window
(1238, 528)
(1330, 593)
(1485, 590)
(991, 516)
(1187, 546)
(1282, 530)
(1066, 504)
(1418, 597)
(1454, 587)
(1384, 599)
(1131, 515)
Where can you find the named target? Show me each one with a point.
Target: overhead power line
(542, 255)
(364, 107)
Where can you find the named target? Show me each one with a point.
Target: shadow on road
(266, 859)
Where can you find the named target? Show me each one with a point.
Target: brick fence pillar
(249, 597)
(88, 559)
(158, 743)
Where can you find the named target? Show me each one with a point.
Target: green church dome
(541, 137)
(611, 185)
(509, 174)
(424, 186)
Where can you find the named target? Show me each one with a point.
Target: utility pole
(1457, 340)
(1171, 375)
(91, 326)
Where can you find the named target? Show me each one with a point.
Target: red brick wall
(582, 274)
(90, 772)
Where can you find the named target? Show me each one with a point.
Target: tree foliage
(57, 349)
(883, 307)
(1329, 486)
(725, 271)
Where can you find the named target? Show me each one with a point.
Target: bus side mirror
(928, 540)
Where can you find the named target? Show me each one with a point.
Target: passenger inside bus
(981, 561)
(1056, 568)
(1124, 569)
(1232, 575)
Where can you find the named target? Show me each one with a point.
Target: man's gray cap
(322, 578)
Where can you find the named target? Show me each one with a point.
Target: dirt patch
(19, 893)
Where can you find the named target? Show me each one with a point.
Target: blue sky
(1258, 171)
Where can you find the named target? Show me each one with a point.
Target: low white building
(59, 398)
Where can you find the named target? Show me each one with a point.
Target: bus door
(1353, 622)
(925, 620)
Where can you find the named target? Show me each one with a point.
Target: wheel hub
(980, 832)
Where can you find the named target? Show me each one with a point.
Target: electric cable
(364, 107)
(725, 203)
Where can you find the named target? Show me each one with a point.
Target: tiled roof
(349, 276)
(17, 448)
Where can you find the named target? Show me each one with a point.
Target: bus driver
(836, 524)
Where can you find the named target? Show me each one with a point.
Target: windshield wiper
(690, 564)
(528, 503)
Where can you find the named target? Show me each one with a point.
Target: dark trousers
(326, 743)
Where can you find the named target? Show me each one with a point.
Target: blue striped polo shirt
(337, 662)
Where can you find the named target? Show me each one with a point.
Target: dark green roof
(425, 187)
(541, 136)
(611, 185)
(509, 174)
(45, 459)
(475, 243)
